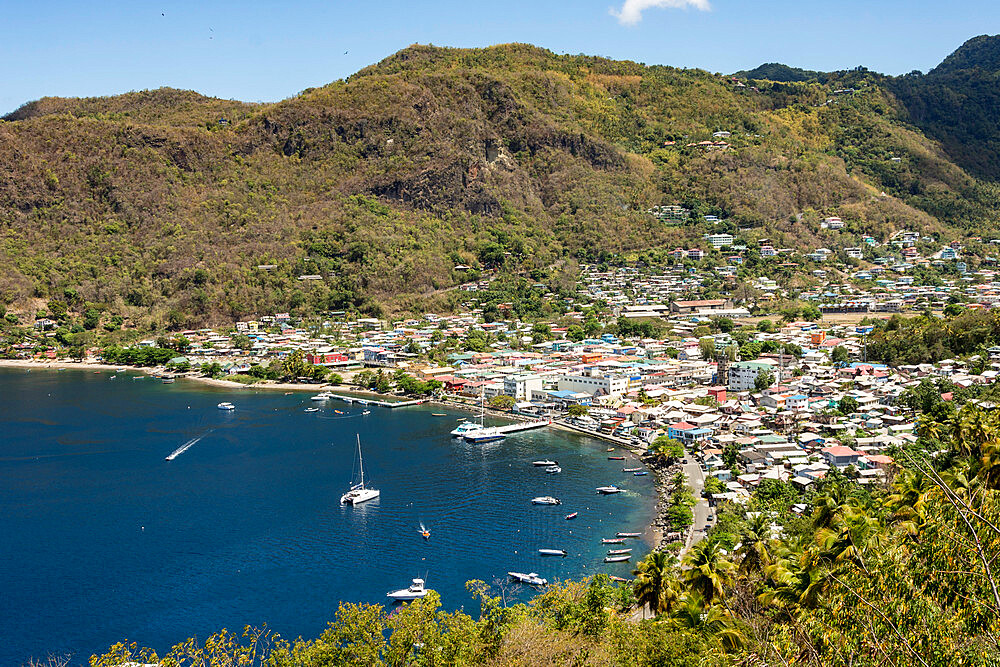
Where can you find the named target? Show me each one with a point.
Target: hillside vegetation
(168, 209)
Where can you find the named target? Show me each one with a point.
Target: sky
(268, 51)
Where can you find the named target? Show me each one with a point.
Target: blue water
(102, 540)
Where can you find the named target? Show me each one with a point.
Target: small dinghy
(552, 552)
(571, 516)
(641, 473)
(311, 410)
(631, 469)
(612, 540)
(616, 458)
(628, 534)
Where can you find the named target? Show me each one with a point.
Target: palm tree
(908, 500)
(753, 548)
(798, 579)
(712, 621)
(849, 536)
(827, 505)
(655, 584)
(708, 572)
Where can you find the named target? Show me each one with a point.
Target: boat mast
(361, 461)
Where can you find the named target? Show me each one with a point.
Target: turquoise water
(104, 540)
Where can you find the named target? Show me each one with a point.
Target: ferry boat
(608, 490)
(552, 552)
(532, 578)
(545, 500)
(359, 493)
(415, 591)
(226, 405)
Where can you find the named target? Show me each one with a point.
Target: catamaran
(358, 493)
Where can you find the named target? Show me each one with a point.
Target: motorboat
(640, 473)
(608, 490)
(612, 540)
(552, 552)
(366, 412)
(616, 458)
(322, 396)
(544, 463)
(359, 493)
(545, 500)
(424, 533)
(631, 469)
(532, 578)
(619, 552)
(617, 559)
(552, 470)
(226, 405)
(311, 410)
(120, 369)
(571, 516)
(628, 535)
(168, 380)
(415, 591)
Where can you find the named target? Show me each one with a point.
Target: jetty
(378, 403)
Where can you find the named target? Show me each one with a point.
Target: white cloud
(631, 11)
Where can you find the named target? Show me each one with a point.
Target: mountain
(956, 104)
(169, 209)
(783, 73)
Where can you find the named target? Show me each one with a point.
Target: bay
(103, 540)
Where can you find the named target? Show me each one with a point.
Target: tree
(294, 365)
(655, 585)
(724, 324)
(667, 449)
(708, 572)
(839, 355)
(811, 313)
(502, 402)
(763, 380)
(767, 326)
(578, 410)
(707, 348)
(714, 485)
(848, 405)
(575, 333)
(241, 341)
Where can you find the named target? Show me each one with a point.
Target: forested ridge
(166, 209)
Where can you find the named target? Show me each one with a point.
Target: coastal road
(701, 510)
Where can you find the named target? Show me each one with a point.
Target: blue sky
(266, 51)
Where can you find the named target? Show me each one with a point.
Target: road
(701, 510)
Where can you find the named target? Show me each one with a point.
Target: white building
(719, 240)
(856, 253)
(594, 382)
(833, 223)
(743, 374)
(521, 386)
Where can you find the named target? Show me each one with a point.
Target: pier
(378, 403)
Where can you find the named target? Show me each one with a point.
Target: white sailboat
(358, 493)
(468, 427)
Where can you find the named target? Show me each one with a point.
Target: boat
(631, 469)
(359, 493)
(616, 458)
(611, 449)
(311, 410)
(553, 470)
(366, 412)
(112, 377)
(322, 396)
(438, 414)
(532, 578)
(544, 463)
(618, 552)
(641, 473)
(552, 552)
(339, 412)
(621, 580)
(469, 426)
(608, 490)
(120, 369)
(168, 380)
(571, 516)
(545, 500)
(612, 540)
(484, 435)
(226, 405)
(628, 534)
(424, 533)
(617, 559)
(415, 591)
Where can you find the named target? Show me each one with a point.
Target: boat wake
(183, 448)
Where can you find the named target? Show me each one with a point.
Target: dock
(498, 432)
(378, 403)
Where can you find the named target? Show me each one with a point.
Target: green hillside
(161, 206)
